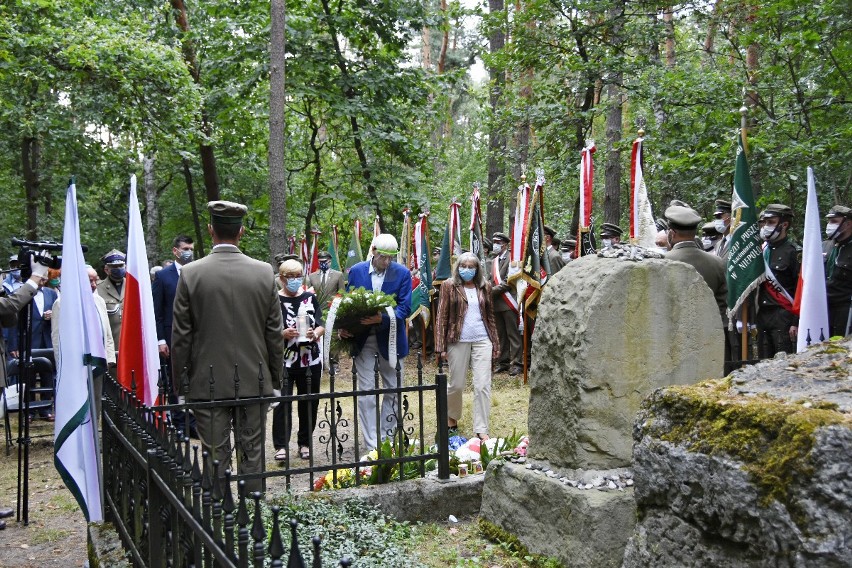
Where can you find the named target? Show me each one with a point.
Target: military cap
(776, 210)
(568, 245)
(679, 203)
(840, 211)
(610, 230)
(226, 212)
(682, 218)
(662, 224)
(549, 231)
(113, 257)
(486, 242)
(324, 254)
(13, 258)
(436, 250)
(722, 206)
(500, 237)
(282, 256)
(709, 229)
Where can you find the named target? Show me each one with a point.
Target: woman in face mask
(303, 328)
(466, 336)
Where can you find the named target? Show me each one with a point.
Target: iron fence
(174, 505)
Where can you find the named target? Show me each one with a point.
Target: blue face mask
(16, 274)
(116, 273)
(293, 285)
(467, 274)
(324, 266)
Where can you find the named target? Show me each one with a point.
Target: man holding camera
(9, 308)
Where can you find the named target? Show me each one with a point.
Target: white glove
(275, 392)
(38, 269)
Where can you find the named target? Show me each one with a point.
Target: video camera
(38, 251)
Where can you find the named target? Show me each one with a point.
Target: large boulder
(608, 333)
(749, 471)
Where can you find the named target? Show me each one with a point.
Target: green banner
(745, 270)
(353, 255)
(444, 269)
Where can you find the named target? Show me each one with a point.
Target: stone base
(579, 528)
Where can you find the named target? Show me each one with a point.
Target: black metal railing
(174, 507)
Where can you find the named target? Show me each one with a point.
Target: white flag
(75, 431)
(811, 299)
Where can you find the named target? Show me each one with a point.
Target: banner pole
(744, 333)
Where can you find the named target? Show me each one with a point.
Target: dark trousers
(511, 348)
(773, 331)
(838, 317)
(307, 381)
(179, 417)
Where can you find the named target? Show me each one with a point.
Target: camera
(38, 251)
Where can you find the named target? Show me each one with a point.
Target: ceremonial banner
(291, 240)
(75, 431)
(745, 270)
(477, 247)
(536, 267)
(377, 230)
(139, 359)
(643, 230)
(519, 235)
(585, 238)
(444, 269)
(353, 255)
(333, 248)
(313, 265)
(455, 229)
(421, 281)
(811, 301)
(404, 251)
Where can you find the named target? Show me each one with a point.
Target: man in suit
(111, 289)
(683, 224)
(553, 255)
(505, 308)
(380, 273)
(722, 222)
(227, 341)
(9, 307)
(163, 290)
(326, 281)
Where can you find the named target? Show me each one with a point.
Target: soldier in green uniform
(777, 325)
(838, 268)
(610, 235)
(709, 236)
(111, 289)
(552, 250)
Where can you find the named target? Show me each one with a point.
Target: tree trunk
(445, 39)
(426, 49)
(612, 173)
(496, 140)
(31, 162)
(277, 128)
(196, 221)
(208, 158)
(712, 26)
(152, 210)
(668, 22)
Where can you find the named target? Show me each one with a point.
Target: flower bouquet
(360, 303)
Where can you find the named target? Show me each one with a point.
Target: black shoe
(6, 513)
(501, 368)
(2, 525)
(516, 370)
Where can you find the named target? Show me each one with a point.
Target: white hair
(386, 242)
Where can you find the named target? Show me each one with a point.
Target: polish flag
(811, 302)
(138, 358)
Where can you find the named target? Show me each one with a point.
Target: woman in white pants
(466, 336)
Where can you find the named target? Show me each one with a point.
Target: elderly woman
(302, 361)
(466, 335)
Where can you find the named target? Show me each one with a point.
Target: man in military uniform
(552, 252)
(568, 250)
(111, 289)
(683, 223)
(838, 268)
(505, 309)
(709, 236)
(722, 222)
(610, 235)
(776, 322)
(227, 341)
(326, 281)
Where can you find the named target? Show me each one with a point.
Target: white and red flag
(811, 301)
(138, 357)
(519, 231)
(642, 228)
(587, 183)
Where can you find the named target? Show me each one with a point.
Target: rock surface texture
(608, 333)
(751, 470)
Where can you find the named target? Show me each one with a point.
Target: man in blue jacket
(381, 273)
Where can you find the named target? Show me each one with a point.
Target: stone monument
(608, 333)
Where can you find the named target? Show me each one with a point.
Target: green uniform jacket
(114, 301)
(785, 262)
(709, 266)
(838, 283)
(226, 314)
(9, 308)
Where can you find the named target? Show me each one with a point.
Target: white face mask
(767, 233)
(720, 226)
(606, 243)
(498, 248)
(831, 230)
(566, 256)
(707, 243)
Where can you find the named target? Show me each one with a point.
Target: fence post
(156, 546)
(443, 432)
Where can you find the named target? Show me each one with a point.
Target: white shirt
(376, 278)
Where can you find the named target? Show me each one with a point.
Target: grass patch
(46, 536)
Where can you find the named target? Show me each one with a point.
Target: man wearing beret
(683, 224)
(610, 235)
(838, 268)
(111, 289)
(505, 309)
(227, 340)
(776, 321)
(552, 252)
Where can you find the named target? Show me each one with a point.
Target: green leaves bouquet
(360, 303)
